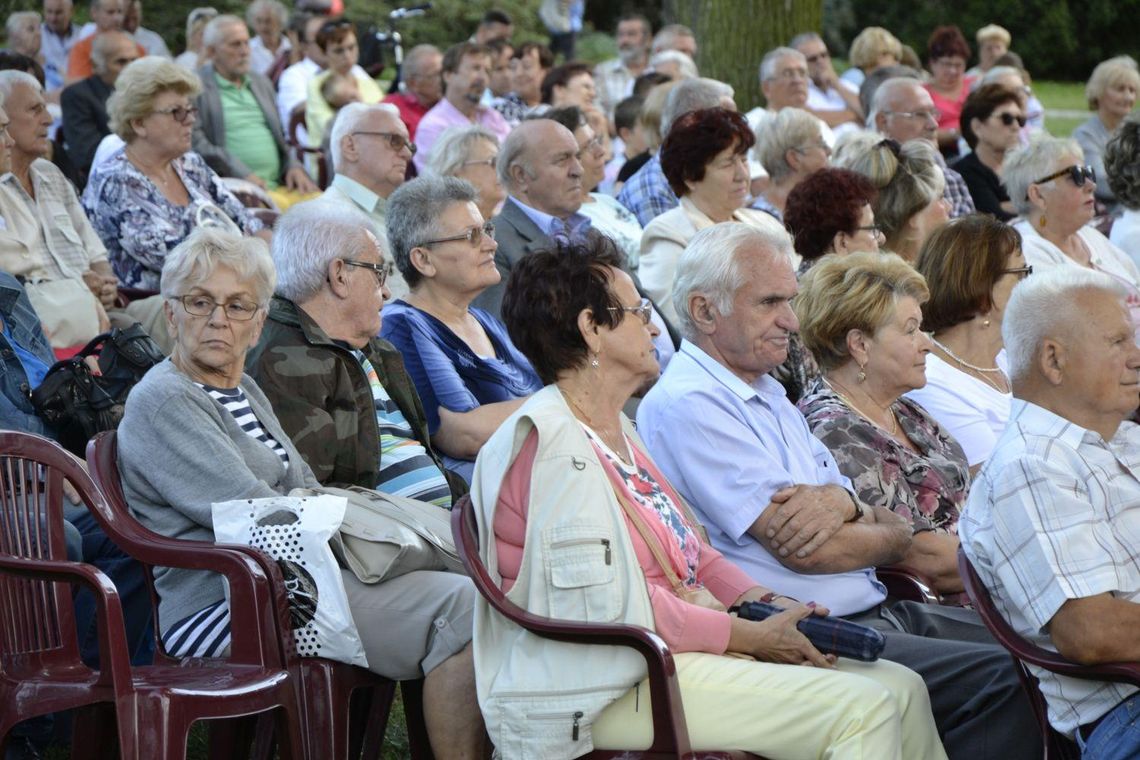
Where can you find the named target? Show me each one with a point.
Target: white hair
(710, 265)
(9, 78)
(214, 33)
(772, 57)
(790, 129)
(278, 9)
(886, 92)
(208, 248)
(1025, 165)
(692, 95)
(1042, 305)
(668, 35)
(16, 22)
(685, 64)
(307, 238)
(998, 72)
(348, 119)
(454, 147)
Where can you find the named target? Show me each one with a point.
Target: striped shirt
(406, 469)
(235, 402)
(1055, 515)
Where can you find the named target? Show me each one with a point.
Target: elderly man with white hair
(903, 110)
(370, 154)
(268, 19)
(784, 81)
(723, 432)
(24, 34)
(1053, 520)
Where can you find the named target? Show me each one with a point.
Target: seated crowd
(843, 354)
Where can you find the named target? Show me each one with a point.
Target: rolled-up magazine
(830, 635)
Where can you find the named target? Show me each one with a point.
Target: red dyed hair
(696, 138)
(824, 204)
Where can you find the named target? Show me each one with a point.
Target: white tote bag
(295, 531)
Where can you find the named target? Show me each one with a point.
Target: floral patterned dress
(928, 487)
(139, 226)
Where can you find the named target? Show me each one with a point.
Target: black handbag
(76, 403)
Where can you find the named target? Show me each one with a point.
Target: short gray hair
(137, 87)
(688, 69)
(1122, 68)
(1122, 163)
(692, 95)
(800, 39)
(1041, 305)
(413, 60)
(215, 30)
(413, 216)
(206, 249)
(885, 93)
(9, 78)
(454, 147)
(997, 72)
(307, 238)
(1025, 165)
(772, 57)
(273, 5)
(710, 265)
(790, 129)
(513, 151)
(17, 20)
(348, 119)
(668, 35)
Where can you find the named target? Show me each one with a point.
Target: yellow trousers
(870, 711)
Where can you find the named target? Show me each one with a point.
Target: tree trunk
(735, 35)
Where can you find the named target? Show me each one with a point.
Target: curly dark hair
(981, 104)
(1122, 163)
(824, 204)
(560, 76)
(545, 293)
(947, 41)
(696, 138)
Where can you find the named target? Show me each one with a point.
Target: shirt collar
(360, 195)
(765, 389)
(1039, 418)
(226, 84)
(551, 225)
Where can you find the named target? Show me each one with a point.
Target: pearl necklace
(983, 372)
(894, 420)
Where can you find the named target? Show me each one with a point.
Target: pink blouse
(685, 627)
(951, 109)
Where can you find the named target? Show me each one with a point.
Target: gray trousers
(977, 699)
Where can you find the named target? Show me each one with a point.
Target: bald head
(538, 164)
(903, 110)
(110, 54)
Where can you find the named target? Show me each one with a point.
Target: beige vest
(539, 697)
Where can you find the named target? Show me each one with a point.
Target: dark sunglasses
(1008, 119)
(1078, 174)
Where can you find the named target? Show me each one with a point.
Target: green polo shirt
(247, 134)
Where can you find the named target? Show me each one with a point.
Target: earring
(1041, 221)
(594, 360)
(862, 374)
(985, 323)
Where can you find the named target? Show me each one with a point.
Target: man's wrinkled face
(632, 37)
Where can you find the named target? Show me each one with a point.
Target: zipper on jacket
(577, 717)
(605, 542)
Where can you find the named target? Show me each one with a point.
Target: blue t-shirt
(447, 373)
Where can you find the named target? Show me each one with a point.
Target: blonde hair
(993, 32)
(790, 129)
(650, 116)
(870, 44)
(859, 291)
(1121, 69)
(137, 87)
(907, 177)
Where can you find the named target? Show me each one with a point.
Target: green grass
(1069, 96)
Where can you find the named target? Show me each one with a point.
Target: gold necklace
(890, 410)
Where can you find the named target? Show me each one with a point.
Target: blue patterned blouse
(139, 226)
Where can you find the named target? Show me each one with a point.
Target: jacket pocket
(581, 573)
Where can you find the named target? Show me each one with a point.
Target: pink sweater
(685, 627)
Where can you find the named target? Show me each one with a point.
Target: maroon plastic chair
(40, 668)
(344, 708)
(907, 585)
(293, 139)
(1057, 745)
(670, 733)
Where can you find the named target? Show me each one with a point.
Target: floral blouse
(928, 488)
(139, 226)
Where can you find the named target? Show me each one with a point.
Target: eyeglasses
(931, 115)
(179, 113)
(474, 235)
(823, 56)
(644, 310)
(1021, 272)
(820, 144)
(396, 141)
(1078, 174)
(790, 74)
(203, 306)
(950, 63)
(593, 146)
(874, 229)
(482, 162)
(382, 271)
(1008, 119)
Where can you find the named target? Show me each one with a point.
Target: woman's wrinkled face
(948, 71)
(170, 125)
(479, 170)
(726, 182)
(211, 347)
(628, 345)
(896, 354)
(1067, 206)
(1119, 98)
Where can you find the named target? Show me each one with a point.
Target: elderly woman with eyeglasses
(148, 196)
(1053, 190)
(947, 52)
(469, 375)
(470, 153)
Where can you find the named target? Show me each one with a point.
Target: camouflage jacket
(322, 398)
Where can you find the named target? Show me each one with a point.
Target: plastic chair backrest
(37, 623)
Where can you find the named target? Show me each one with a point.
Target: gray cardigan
(179, 452)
